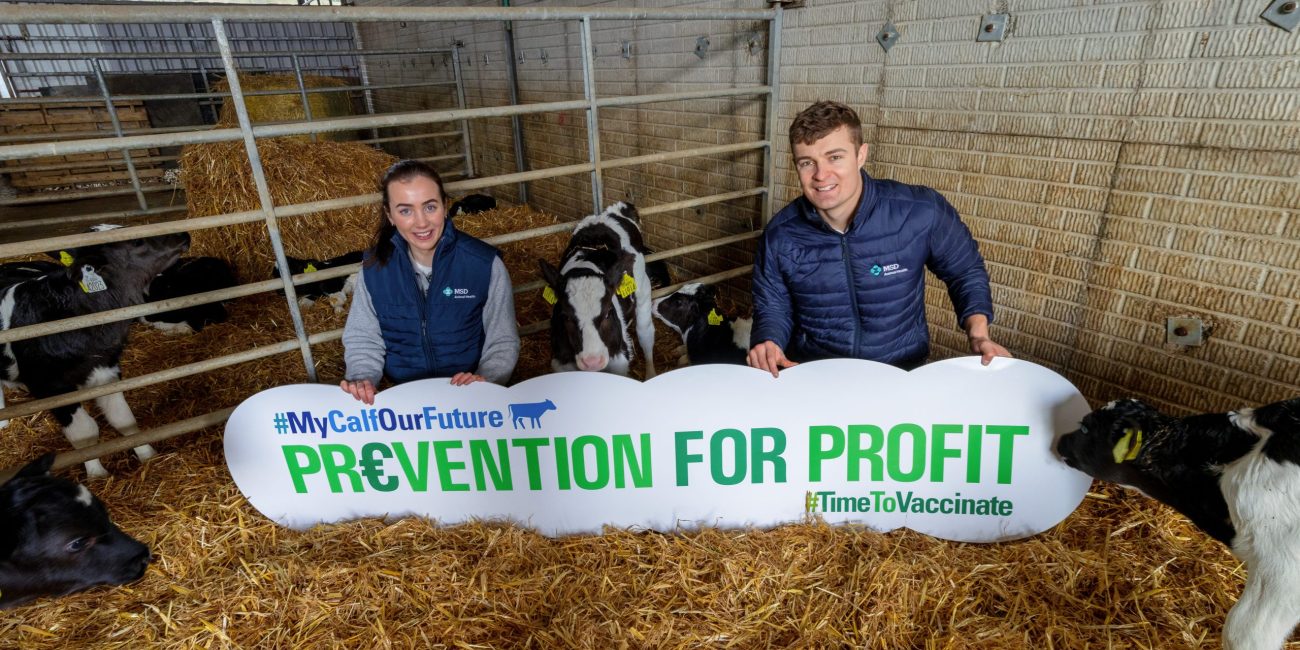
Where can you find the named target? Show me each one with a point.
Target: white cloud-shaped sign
(953, 449)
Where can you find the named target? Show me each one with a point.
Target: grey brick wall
(1119, 162)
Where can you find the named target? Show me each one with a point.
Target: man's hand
(987, 349)
(769, 356)
(977, 331)
(465, 378)
(363, 390)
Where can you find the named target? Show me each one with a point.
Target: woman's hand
(362, 389)
(465, 378)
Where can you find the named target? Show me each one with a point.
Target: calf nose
(1062, 450)
(592, 362)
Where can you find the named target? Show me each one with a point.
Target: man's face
(828, 173)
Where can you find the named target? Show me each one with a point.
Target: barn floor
(1122, 572)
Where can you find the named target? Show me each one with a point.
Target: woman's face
(416, 209)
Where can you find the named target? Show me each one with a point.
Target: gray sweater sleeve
(501, 332)
(363, 345)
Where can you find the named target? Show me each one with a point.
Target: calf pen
(1120, 572)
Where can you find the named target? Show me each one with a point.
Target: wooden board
(74, 120)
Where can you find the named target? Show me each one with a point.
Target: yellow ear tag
(65, 258)
(311, 268)
(626, 287)
(714, 318)
(1128, 447)
(548, 294)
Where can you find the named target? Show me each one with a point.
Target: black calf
(188, 276)
(93, 279)
(336, 289)
(56, 538)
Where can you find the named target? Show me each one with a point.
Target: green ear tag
(626, 287)
(548, 294)
(311, 268)
(714, 318)
(65, 258)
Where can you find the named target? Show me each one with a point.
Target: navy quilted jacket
(438, 333)
(820, 294)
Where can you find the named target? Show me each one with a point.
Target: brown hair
(817, 121)
(402, 170)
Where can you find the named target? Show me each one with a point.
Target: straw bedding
(219, 180)
(1121, 572)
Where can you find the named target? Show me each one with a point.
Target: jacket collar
(866, 203)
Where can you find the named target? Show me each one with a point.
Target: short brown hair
(817, 121)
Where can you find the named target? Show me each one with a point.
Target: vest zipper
(853, 295)
(424, 319)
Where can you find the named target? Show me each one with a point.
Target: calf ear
(708, 292)
(550, 274)
(39, 467)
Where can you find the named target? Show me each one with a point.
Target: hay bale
(287, 107)
(218, 180)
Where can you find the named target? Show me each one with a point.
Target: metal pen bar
(215, 55)
(39, 13)
(98, 217)
(13, 169)
(708, 279)
(346, 124)
(264, 195)
(54, 197)
(702, 246)
(691, 203)
(685, 153)
(158, 434)
(117, 130)
(468, 150)
(135, 311)
(773, 107)
(302, 91)
(593, 124)
(123, 385)
(419, 136)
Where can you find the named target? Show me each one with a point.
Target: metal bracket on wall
(1184, 331)
(546, 56)
(626, 47)
(887, 36)
(753, 42)
(701, 46)
(1283, 13)
(993, 28)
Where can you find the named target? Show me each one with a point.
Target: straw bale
(1121, 572)
(219, 180)
(286, 107)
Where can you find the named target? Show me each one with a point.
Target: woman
(429, 301)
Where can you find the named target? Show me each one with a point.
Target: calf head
(687, 307)
(1177, 461)
(133, 263)
(1117, 443)
(56, 538)
(589, 318)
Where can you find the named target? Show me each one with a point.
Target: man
(840, 271)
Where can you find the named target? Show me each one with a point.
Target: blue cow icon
(532, 410)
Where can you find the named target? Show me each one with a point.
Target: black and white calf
(97, 278)
(600, 287)
(709, 336)
(471, 204)
(336, 289)
(56, 538)
(188, 276)
(1236, 475)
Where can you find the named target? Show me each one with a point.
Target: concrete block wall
(1119, 162)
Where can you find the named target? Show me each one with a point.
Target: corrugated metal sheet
(29, 77)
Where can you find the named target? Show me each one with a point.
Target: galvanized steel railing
(271, 213)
